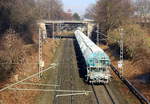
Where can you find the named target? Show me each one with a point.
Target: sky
(78, 6)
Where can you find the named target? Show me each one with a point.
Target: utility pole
(40, 51)
(98, 33)
(53, 30)
(41, 62)
(120, 62)
(87, 29)
(59, 29)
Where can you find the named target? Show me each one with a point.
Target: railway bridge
(49, 27)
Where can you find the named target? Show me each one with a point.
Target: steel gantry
(120, 63)
(41, 62)
(98, 34)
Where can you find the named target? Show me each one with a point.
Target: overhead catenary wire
(72, 94)
(38, 84)
(31, 76)
(48, 90)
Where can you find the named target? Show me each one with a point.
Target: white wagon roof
(86, 45)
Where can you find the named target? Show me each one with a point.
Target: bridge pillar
(42, 27)
(90, 28)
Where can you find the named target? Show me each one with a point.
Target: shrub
(19, 15)
(134, 38)
(11, 54)
(6, 67)
(136, 45)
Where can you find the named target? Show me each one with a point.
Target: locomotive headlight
(90, 74)
(106, 77)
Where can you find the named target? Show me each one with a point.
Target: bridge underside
(53, 29)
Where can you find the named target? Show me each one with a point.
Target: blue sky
(78, 6)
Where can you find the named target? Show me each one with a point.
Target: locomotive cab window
(102, 69)
(96, 61)
(91, 61)
(102, 62)
(90, 69)
(94, 69)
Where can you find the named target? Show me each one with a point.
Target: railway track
(69, 79)
(108, 97)
(96, 97)
(63, 77)
(59, 80)
(110, 94)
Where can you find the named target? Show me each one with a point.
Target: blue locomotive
(97, 61)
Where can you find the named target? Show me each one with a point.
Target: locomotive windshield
(97, 69)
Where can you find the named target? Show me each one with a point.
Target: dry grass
(131, 70)
(11, 53)
(29, 67)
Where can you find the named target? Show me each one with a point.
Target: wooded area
(18, 26)
(21, 15)
(131, 16)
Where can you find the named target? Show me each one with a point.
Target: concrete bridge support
(90, 27)
(43, 30)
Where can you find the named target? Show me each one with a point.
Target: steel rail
(109, 94)
(72, 94)
(138, 94)
(58, 78)
(97, 100)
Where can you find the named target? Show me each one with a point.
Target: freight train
(96, 60)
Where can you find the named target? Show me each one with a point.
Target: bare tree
(90, 12)
(111, 14)
(143, 9)
(17, 14)
(50, 9)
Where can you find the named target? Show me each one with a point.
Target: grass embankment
(25, 65)
(136, 46)
(136, 55)
(121, 90)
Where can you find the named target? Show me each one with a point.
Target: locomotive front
(97, 68)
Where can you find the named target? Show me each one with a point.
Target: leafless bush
(142, 58)
(50, 9)
(136, 45)
(111, 14)
(11, 54)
